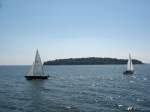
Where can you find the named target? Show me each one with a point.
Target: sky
(72, 29)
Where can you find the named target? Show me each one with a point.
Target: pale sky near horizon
(73, 28)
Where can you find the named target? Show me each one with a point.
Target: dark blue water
(88, 88)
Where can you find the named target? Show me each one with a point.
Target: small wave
(119, 96)
(139, 100)
(111, 98)
(144, 79)
(72, 108)
(96, 100)
(133, 77)
(120, 105)
(132, 81)
(131, 109)
(68, 107)
(93, 85)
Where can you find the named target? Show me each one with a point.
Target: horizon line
(73, 58)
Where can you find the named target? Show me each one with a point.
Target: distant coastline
(90, 61)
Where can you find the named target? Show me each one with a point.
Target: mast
(131, 64)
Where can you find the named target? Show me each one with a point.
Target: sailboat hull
(128, 72)
(36, 77)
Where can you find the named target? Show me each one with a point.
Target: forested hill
(90, 61)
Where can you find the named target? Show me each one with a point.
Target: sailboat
(37, 70)
(130, 69)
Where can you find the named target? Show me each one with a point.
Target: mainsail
(130, 64)
(37, 67)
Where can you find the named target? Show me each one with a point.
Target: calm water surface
(86, 88)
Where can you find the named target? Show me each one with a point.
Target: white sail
(130, 64)
(37, 67)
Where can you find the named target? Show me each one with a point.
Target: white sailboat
(130, 69)
(37, 70)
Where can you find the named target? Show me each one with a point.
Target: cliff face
(90, 61)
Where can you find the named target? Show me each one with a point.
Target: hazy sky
(73, 28)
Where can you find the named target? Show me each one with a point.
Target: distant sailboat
(130, 69)
(37, 70)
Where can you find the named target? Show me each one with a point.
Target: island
(90, 61)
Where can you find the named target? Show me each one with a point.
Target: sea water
(76, 88)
